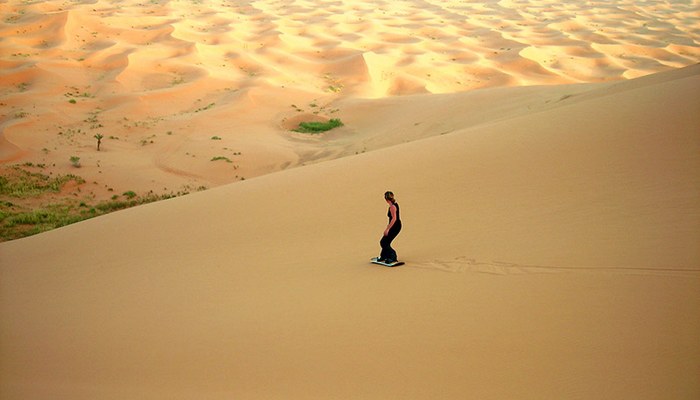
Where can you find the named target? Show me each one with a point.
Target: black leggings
(388, 253)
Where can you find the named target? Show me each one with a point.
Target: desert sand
(160, 79)
(546, 157)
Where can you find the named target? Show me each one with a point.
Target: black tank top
(398, 217)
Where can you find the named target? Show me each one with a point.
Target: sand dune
(157, 60)
(545, 154)
(550, 254)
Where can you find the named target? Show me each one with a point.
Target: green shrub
(42, 220)
(110, 206)
(318, 127)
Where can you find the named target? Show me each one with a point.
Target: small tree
(99, 137)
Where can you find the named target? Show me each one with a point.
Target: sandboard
(375, 260)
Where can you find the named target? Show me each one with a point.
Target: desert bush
(318, 127)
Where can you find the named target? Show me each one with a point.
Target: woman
(392, 230)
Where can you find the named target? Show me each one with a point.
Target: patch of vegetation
(20, 183)
(76, 92)
(148, 140)
(70, 133)
(318, 127)
(221, 158)
(17, 222)
(148, 123)
(235, 153)
(14, 18)
(334, 84)
(93, 119)
(27, 206)
(207, 107)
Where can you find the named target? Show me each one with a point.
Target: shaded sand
(549, 254)
(159, 79)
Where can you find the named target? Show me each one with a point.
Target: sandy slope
(550, 254)
(159, 79)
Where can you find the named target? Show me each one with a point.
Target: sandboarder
(388, 254)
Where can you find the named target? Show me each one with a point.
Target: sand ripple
(440, 46)
(166, 59)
